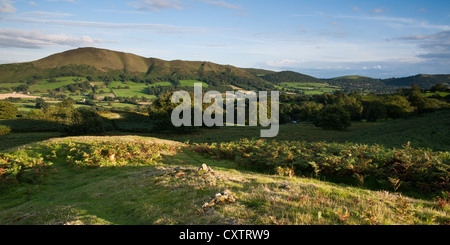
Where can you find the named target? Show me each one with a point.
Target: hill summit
(95, 57)
(91, 61)
(105, 60)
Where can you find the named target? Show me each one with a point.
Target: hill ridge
(99, 62)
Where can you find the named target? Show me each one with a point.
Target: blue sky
(322, 38)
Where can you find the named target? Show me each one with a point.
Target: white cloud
(283, 63)
(155, 5)
(6, 7)
(377, 11)
(45, 14)
(34, 39)
(436, 46)
(223, 4)
(160, 28)
(398, 21)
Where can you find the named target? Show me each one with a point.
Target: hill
(290, 77)
(108, 65)
(359, 83)
(423, 80)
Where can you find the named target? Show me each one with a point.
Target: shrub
(83, 121)
(308, 110)
(374, 110)
(376, 167)
(333, 117)
(4, 129)
(21, 166)
(109, 153)
(398, 106)
(8, 110)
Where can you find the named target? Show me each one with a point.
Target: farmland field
(309, 88)
(134, 89)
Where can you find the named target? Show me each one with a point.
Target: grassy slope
(173, 192)
(427, 131)
(109, 195)
(99, 58)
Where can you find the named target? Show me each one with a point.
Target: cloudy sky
(322, 38)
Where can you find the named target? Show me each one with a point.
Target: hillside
(423, 80)
(101, 59)
(290, 77)
(359, 83)
(178, 186)
(102, 64)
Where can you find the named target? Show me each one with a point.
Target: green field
(190, 83)
(168, 189)
(135, 89)
(9, 85)
(309, 88)
(160, 84)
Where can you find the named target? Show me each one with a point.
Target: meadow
(389, 172)
(309, 88)
(112, 181)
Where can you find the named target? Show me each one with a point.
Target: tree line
(337, 110)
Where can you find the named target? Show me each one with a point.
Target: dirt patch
(17, 95)
(238, 88)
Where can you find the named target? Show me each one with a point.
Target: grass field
(135, 89)
(172, 191)
(309, 88)
(428, 131)
(160, 84)
(132, 176)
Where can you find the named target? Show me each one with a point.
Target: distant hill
(103, 61)
(359, 83)
(113, 65)
(423, 80)
(290, 76)
(259, 72)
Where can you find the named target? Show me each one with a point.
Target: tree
(309, 110)
(40, 103)
(352, 105)
(83, 121)
(8, 110)
(374, 110)
(333, 117)
(161, 111)
(398, 106)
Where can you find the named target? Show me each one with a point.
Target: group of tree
(72, 121)
(336, 110)
(343, 108)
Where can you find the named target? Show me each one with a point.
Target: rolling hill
(94, 61)
(101, 63)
